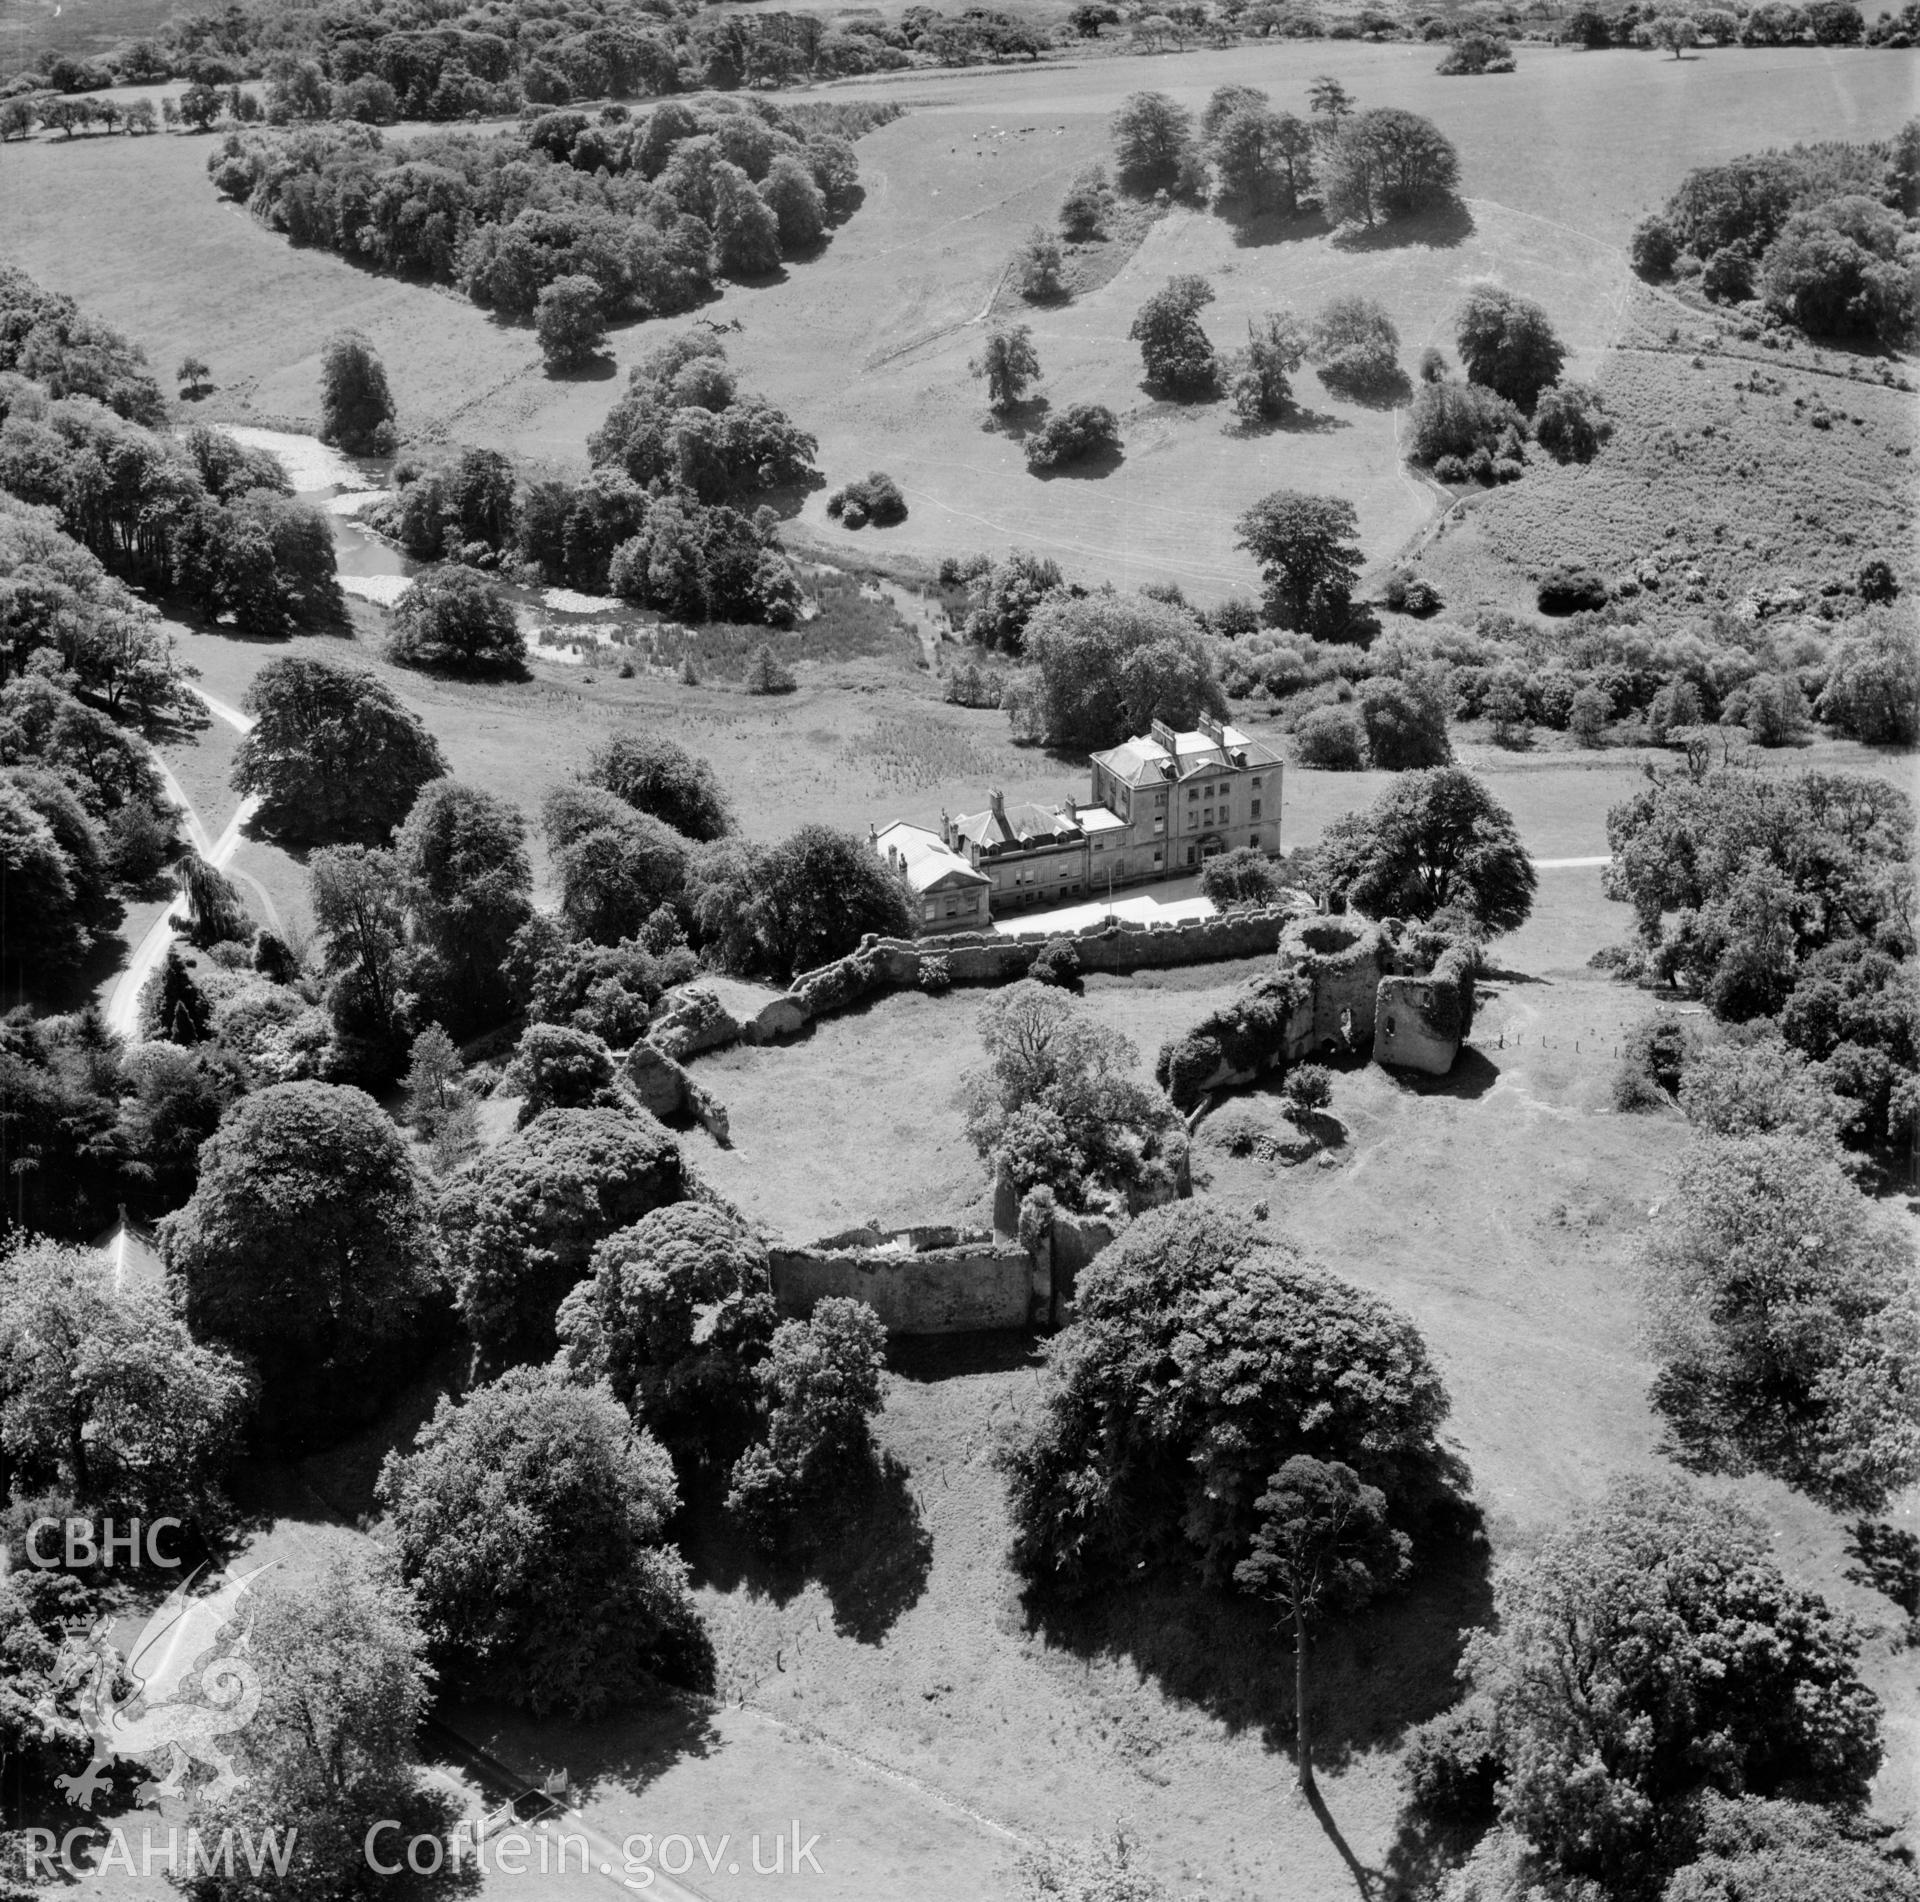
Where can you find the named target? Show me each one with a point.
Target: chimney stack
(998, 801)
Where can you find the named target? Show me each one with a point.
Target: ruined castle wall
(976, 1286)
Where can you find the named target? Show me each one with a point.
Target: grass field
(868, 345)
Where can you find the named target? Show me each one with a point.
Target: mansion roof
(1161, 755)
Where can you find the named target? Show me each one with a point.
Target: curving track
(123, 1007)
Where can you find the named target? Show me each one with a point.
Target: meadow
(868, 344)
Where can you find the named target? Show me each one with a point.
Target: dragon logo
(188, 1693)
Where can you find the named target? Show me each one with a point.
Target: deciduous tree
(570, 321)
(1152, 139)
(1174, 349)
(307, 1248)
(453, 617)
(1107, 665)
(1787, 1320)
(821, 1382)
(1323, 1547)
(675, 1314)
(104, 1395)
(657, 776)
(1436, 840)
(333, 754)
(521, 1221)
(356, 407)
(1200, 1360)
(1507, 342)
(1386, 163)
(1651, 1652)
(462, 860)
(1308, 551)
(330, 1754)
(530, 1524)
(615, 866)
(1009, 363)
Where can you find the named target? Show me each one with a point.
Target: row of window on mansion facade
(1161, 805)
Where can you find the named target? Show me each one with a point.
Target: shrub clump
(1454, 420)
(455, 619)
(1072, 435)
(877, 500)
(1477, 53)
(1565, 589)
(1356, 348)
(1331, 739)
(1570, 422)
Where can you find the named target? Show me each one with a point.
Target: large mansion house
(1162, 805)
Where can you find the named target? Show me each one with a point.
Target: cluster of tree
(1657, 23)
(1471, 52)
(1390, 722)
(647, 210)
(196, 513)
(1730, 1754)
(1366, 168)
(1353, 343)
(876, 499)
(1477, 428)
(662, 520)
(68, 113)
(1597, 673)
(1103, 665)
(45, 336)
(1057, 1109)
(549, 1579)
(1790, 900)
(83, 809)
(1784, 1310)
(1435, 846)
(1823, 236)
(1222, 1409)
(490, 57)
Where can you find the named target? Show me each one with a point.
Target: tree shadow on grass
(1370, 1678)
(1018, 420)
(515, 673)
(865, 1543)
(1295, 420)
(927, 1358)
(1439, 227)
(597, 368)
(1088, 468)
(1887, 1560)
(1382, 392)
(789, 498)
(510, 1753)
(1279, 227)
